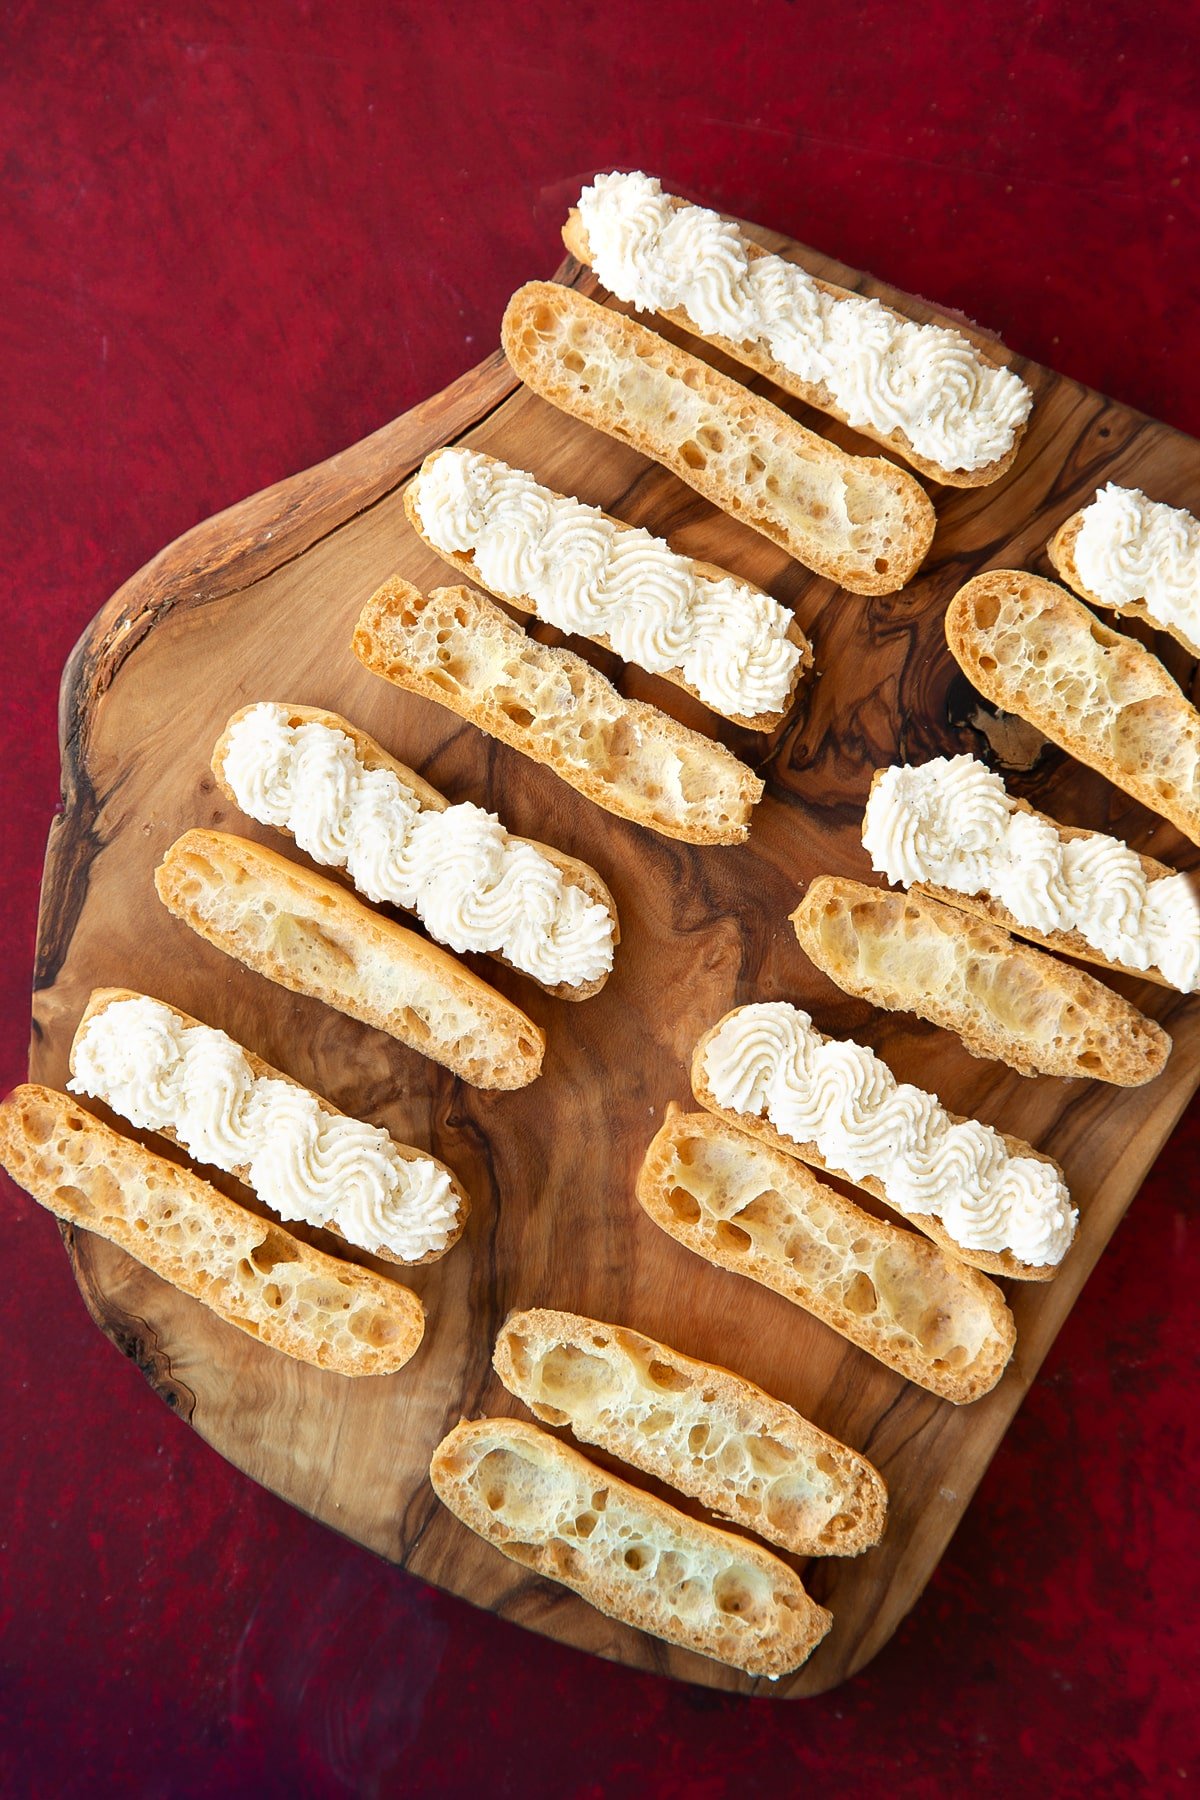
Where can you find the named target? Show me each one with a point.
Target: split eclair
(930, 393)
(720, 638)
(1037, 651)
(989, 1198)
(631, 1556)
(702, 1429)
(165, 1071)
(1004, 999)
(948, 828)
(743, 1203)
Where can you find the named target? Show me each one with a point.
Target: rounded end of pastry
(575, 237)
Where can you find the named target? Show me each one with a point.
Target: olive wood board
(259, 603)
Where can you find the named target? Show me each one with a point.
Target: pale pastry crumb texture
(924, 390)
(252, 1273)
(837, 1105)
(458, 648)
(951, 824)
(1036, 651)
(749, 1208)
(311, 936)
(858, 520)
(1005, 1000)
(704, 1430)
(727, 642)
(631, 1556)
(166, 1072)
(472, 885)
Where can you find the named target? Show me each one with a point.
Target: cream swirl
(586, 574)
(473, 886)
(953, 1172)
(1039, 1209)
(768, 1061)
(766, 1053)
(973, 1199)
(897, 1128)
(223, 1097)
(951, 822)
(143, 1063)
(798, 311)
(161, 1074)
(258, 765)
(711, 248)
(1130, 548)
(883, 372)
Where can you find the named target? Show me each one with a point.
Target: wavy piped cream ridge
(885, 373)
(768, 1060)
(473, 886)
(588, 574)
(952, 822)
(162, 1074)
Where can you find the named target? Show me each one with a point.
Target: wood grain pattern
(259, 603)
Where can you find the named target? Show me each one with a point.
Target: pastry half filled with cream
(473, 885)
(992, 1199)
(166, 1072)
(1136, 555)
(925, 390)
(727, 642)
(950, 827)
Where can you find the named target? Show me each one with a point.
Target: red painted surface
(235, 239)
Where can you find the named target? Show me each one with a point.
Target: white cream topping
(473, 886)
(768, 1060)
(585, 574)
(952, 823)
(1130, 548)
(140, 1059)
(883, 372)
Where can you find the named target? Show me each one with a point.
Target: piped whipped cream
(951, 822)
(583, 573)
(139, 1058)
(473, 886)
(768, 1060)
(883, 372)
(1130, 548)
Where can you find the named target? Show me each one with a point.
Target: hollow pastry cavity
(858, 520)
(1004, 999)
(756, 1211)
(309, 935)
(458, 648)
(632, 1556)
(1033, 649)
(251, 1273)
(704, 1430)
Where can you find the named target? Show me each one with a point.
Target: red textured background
(234, 239)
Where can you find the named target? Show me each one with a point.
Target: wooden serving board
(259, 603)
